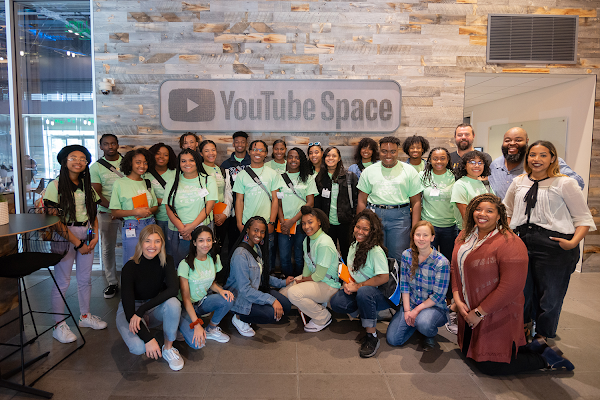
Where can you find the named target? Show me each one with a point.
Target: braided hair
(199, 168)
(427, 172)
(66, 200)
(264, 249)
(503, 225)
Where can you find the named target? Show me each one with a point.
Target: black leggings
(524, 360)
(341, 233)
(265, 313)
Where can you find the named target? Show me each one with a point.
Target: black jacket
(234, 168)
(345, 212)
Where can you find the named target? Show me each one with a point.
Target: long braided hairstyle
(503, 225)
(67, 196)
(178, 173)
(375, 238)
(428, 171)
(264, 249)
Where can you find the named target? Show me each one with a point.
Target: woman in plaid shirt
(424, 277)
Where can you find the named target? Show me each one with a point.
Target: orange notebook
(219, 208)
(345, 274)
(292, 230)
(139, 201)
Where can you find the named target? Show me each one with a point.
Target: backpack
(391, 289)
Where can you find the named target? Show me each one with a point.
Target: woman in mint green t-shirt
(367, 153)
(165, 164)
(278, 163)
(190, 199)
(133, 199)
(197, 274)
(471, 180)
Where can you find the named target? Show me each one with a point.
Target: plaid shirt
(430, 281)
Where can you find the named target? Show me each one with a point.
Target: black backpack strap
(488, 188)
(159, 178)
(256, 179)
(289, 184)
(361, 166)
(148, 184)
(110, 167)
(250, 250)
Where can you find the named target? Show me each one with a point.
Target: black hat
(65, 151)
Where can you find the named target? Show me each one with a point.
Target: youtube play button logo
(192, 105)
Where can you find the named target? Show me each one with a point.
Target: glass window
(6, 161)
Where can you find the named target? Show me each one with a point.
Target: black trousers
(523, 361)
(341, 233)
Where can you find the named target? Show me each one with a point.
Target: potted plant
(3, 210)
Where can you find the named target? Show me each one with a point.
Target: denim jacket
(244, 281)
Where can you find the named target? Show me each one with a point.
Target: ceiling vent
(547, 39)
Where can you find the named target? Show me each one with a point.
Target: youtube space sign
(280, 105)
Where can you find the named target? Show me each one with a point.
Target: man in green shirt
(388, 188)
(102, 181)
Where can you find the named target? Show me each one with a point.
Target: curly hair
(553, 168)
(414, 264)
(305, 165)
(318, 214)
(469, 224)
(371, 144)
(127, 161)
(317, 144)
(389, 139)
(375, 238)
(172, 163)
(214, 250)
(461, 170)
(414, 140)
(339, 168)
(182, 138)
(428, 171)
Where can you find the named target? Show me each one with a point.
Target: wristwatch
(271, 223)
(479, 314)
(80, 245)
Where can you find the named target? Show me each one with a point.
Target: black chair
(18, 266)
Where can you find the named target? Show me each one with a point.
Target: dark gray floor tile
(262, 354)
(171, 384)
(252, 386)
(333, 386)
(427, 387)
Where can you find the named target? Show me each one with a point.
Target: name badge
(434, 192)
(326, 193)
(202, 192)
(130, 233)
(280, 195)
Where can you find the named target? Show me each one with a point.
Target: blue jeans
(427, 322)
(368, 300)
(164, 225)
(168, 313)
(265, 313)
(212, 302)
(396, 229)
(286, 243)
(129, 243)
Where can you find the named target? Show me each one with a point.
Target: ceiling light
(70, 31)
(52, 123)
(73, 55)
(77, 33)
(22, 53)
(1, 58)
(68, 53)
(47, 121)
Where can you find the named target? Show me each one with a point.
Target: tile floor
(283, 362)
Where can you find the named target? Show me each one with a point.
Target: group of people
(483, 247)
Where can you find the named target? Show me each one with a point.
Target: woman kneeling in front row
(319, 280)
(424, 278)
(250, 280)
(368, 267)
(145, 303)
(489, 268)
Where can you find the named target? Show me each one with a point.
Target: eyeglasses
(478, 163)
(73, 159)
(314, 144)
(258, 150)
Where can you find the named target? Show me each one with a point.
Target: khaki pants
(308, 297)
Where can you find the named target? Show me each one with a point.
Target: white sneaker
(313, 327)
(91, 321)
(243, 328)
(215, 333)
(63, 333)
(173, 358)
(452, 326)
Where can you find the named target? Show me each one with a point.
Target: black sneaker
(369, 346)
(110, 291)
(428, 343)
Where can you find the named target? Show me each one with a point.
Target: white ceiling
(483, 88)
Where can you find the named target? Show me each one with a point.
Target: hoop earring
(262, 242)
(246, 238)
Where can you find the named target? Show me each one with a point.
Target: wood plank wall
(427, 46)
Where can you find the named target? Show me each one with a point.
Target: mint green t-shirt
(238, 159)
(464, 190)
(389, 186)
(51, 194)
(376, 263)
(290, 203)
(324, 254)
(168, 176)
(200, 278)
(419, 167)
(216, 173)
(279, 168)
(125, 189)
(335, 191)
(256, 200)
(438, 210)
(102, 175)
(189, 202)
